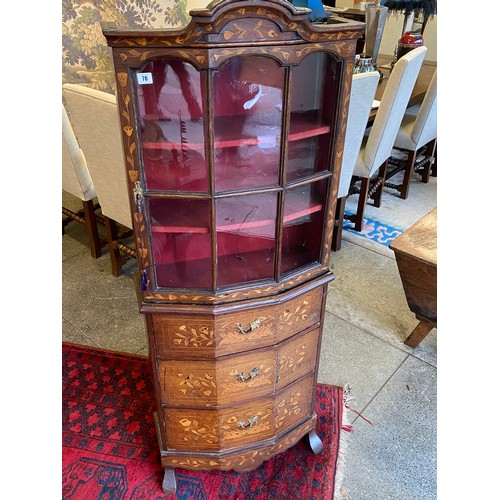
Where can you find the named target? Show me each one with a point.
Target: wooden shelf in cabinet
(248, 130)
(231, 213)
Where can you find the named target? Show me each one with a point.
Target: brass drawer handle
(251, 422)
(253, 326)
(247, 377)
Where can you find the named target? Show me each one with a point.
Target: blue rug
(374, 231)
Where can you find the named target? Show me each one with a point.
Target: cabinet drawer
(297, 357)
(217, 382)
(294, 404)
(220, 381)
(215, 430)
(225, 333)
(218, 429)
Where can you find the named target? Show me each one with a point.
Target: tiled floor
(367, 320)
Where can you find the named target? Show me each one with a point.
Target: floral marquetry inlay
(291, 360)
(202, 336)
(212, 429)
(261, 30)
(239, 461)
(297, 357)
(194, 430)
(292, 408)
(197, 385)
(288, 408)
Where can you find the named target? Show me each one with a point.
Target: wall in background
(393, 31)
(87, 59)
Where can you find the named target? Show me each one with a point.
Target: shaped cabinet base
(240, 460)
(223, 410)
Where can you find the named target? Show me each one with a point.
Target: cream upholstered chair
(371, 164)
(416, 137)
(94, 116)
(77, 182)
(363, 88)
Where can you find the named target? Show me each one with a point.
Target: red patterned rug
(110, 450)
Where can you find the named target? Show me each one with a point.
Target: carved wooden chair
(371, 163)
(416, 139)
(94, 116)
(363, 88)
(76, 181)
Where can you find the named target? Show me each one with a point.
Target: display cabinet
(232, 131)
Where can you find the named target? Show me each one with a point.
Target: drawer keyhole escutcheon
(253, 326)
(247, 377)
(248, 425)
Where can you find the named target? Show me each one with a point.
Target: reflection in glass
(303, 225)
(171, 113)
(311, 116)
(181, 244)
(248, 95)
(246, 227)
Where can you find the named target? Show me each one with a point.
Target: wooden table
(419, 90)
(416, 257)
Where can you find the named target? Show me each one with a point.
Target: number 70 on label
(144, 78)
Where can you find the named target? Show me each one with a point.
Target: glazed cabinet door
(236, 168)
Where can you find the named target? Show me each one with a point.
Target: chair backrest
(76, 178)
(94, 116)
(363, 88)
(425, 127)
(392, 109)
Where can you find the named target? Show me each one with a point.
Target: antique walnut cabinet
(232, 132)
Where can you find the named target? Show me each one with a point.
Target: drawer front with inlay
(217, 381)
(237, 425)
(294, 404)
(243, 330)
(206, 429)
(297, 357)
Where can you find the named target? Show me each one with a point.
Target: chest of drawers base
(243, 459)
(233, 408)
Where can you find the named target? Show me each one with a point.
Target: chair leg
(339, 222)
(377, 195)
(405, 186)
(91, 228)
(357, 218)
(114, 252)
(430, 151)
(434, 168)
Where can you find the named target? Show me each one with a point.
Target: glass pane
(171, 96)
(248, 95)
(180, 240)
(311, 116)
(246, 228)
(303, 225)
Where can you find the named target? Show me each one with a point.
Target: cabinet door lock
(138, 196)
